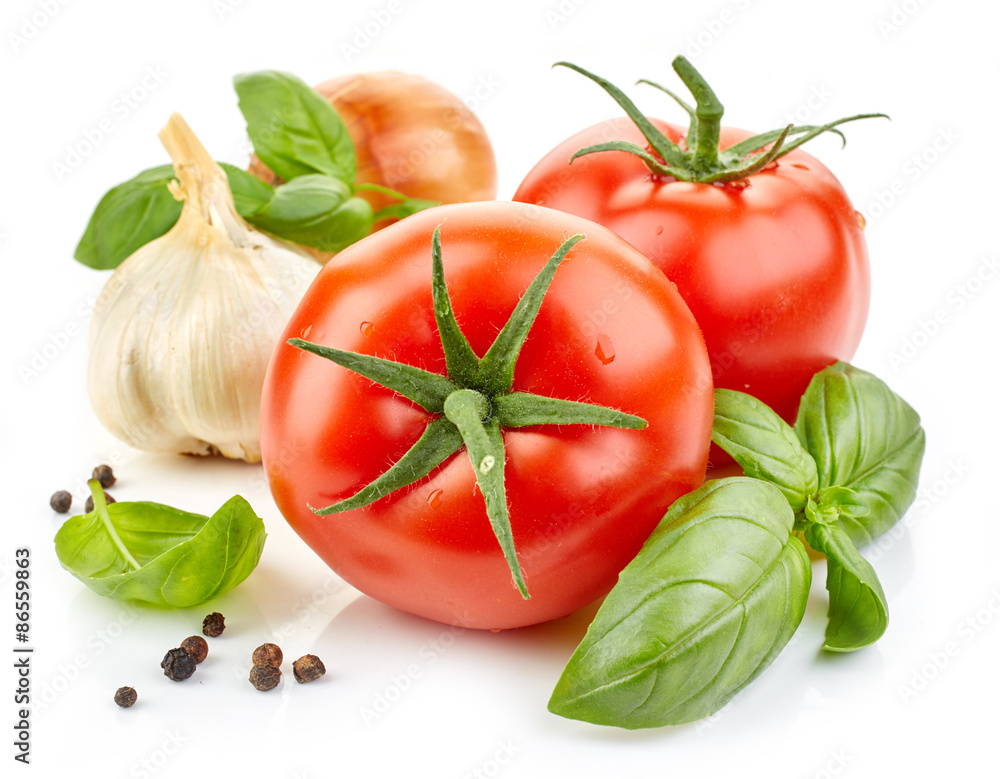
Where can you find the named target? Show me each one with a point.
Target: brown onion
(410, 135)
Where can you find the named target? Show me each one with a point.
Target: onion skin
(410, 135)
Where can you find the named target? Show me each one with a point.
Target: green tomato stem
(484, 444)
(707, 117)
(702, 162)
(439, 441)
(461, 361)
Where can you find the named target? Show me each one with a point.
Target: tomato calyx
(701, 160)
(472, 405)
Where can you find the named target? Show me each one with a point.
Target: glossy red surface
(582, 499)
(774, 268)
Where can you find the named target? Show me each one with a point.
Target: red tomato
(582, 499)
(773, 267)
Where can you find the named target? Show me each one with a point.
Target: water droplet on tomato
(861, 219)
(367, 329)
(800, 166)
(494, 630)
(305, 332)
(605, 349)
(434, 499)
(659, 230)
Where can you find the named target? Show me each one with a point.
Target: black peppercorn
(125, 696)
(267, 653)
(195, 646)
(177, 665)
(307, 668)
(104, 475)
(265, 676)
(89, 505)
(61, 501)
(213, 625)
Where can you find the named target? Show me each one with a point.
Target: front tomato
(611, 332)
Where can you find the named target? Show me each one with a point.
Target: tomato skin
(582, 500)
(776, 273)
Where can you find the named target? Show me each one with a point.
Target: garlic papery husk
(183, 331)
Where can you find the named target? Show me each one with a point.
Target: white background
(919, 703)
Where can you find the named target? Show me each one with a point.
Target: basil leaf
(404, 209)
(128, 217)
(142, 209)
(158, 554)
(764, 445)
(315, 211)
(711, 599)
(863, 436)
(249, 192)
(293, 129)
(858, 614)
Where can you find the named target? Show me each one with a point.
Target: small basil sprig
(158, 554)
(848, 469)
(710, 600)
(294, 131)
(721, 585)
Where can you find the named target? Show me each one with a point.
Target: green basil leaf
(293, 129)
(249, 192)
(142, 209)
(315, 211)
(158, 554)
(404, 209)
(865, 437)
(710, 600)
(858, 614)
(764, 445)
(128, 217)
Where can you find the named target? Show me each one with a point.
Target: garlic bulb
(183, 331)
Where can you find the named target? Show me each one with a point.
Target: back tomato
(611, 331)
(774, 267)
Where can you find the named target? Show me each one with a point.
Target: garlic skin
(183, 331)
